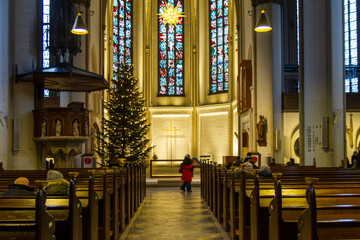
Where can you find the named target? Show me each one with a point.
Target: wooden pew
(284, 212)
(66, 213)
(337, 223)
(14, 224)
(244, 198)
(91, 213)
(132, 179)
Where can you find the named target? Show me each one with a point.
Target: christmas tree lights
(125, 126)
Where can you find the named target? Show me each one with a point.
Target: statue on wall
(261, 131)
(86, 128)
(94, 140)
(58, 127)
(43, 129)
(76, 128)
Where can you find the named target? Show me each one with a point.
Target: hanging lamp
(79, 27)
(263, 24)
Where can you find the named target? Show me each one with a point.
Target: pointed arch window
(219, 46)
(351, 46)
(171, 52)
(46, 34)
(122, 33)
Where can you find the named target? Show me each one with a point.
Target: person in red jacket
(187, 172)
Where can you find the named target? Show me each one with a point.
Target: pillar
(4, 79)
(323, 90)
(269, 81)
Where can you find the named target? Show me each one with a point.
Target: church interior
(212, 85)
(274, 81)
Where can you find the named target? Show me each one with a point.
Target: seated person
(20, 187)
(291, 162)
(248, 157)
(353, 160)
(248, 167)
(265, 171)
(57, 185)
(252, 161)
(238, 162)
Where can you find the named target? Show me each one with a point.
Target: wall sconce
(79, 27)
(263, 24)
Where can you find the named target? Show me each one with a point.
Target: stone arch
(293, 138)
(357, 138)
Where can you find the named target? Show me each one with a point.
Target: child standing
(187, 173)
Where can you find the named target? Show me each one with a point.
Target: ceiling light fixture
(79, 27)
(263, 24)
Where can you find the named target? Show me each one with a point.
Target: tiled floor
(169, 213)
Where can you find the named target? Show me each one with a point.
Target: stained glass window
(122, 34)
(171, 52)
(46, 34)
(351, 46)
(46, 38)
(297, 32)
(350, 30)
(219, 46)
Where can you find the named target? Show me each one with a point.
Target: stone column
(337, 143)
(4, 79)
(269, 80)
(323, 82)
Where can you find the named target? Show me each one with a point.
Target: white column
(4, 78)
(323, 81)
(277, 81)
(269, 79)
(337, 80)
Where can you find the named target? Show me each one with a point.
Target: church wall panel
(171, 133)
(214, 134)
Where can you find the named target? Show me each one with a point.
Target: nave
(169, 213)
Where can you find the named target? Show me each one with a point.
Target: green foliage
(125, 125)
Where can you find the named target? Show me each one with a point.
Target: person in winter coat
(187, 172)
(20, 187)
(57, 185)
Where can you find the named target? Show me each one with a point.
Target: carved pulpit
(61, 131)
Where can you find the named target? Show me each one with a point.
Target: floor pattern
(169, 213)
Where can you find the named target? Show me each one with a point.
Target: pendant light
(79, 27)
(263, 24)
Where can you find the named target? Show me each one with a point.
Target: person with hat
(57, 185)
(20, 187)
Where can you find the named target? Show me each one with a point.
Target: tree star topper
(171, 15)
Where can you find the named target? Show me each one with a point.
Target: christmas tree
(125, 125)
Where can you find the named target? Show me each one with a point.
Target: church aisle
(169, 213)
